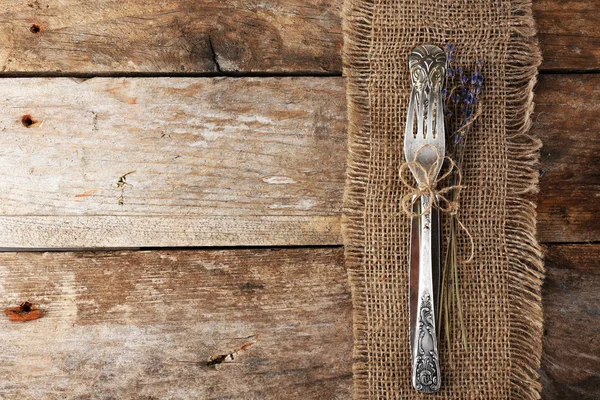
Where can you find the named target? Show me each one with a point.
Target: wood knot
(35, 28)
(25, 312)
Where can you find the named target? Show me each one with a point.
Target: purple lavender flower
(469, 98)
(462, 96)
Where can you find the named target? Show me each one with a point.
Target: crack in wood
(221, 358)
(214, 55)
(121, 184)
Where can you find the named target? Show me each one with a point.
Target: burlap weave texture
(501, 287)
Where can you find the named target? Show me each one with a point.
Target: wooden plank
(170, 36)
(105, 231)
(211, 36)
(569, 33)
(249, 161)
(132, 325)
(566, 119)
(571, 361)
(120, 322)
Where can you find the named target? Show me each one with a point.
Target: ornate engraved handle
(424, 298)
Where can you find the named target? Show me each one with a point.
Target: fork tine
(420, 115)
(439, 125)
(430, 100)
(410, 117)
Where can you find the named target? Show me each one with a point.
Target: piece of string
(438, 198)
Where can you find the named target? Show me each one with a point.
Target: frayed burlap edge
(357, 28)
(525, 261)
(526, 269)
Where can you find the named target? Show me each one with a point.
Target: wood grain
(105, 231)
(215, 36)
(566, 119)
(216, 166)
(571, 359)
(217, 161)
(144, 325)
(119, 323)
(239, 36)
(569, 33)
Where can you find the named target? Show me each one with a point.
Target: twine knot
(446, 199)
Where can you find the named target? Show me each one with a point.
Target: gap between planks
(166, 248)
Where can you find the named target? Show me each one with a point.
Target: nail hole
(35, 28)
(27, 121)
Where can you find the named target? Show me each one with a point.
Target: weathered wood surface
(252, 161)
(105, 231)
(571, 359)
(247, 161)
(566, 119)
(297, 36)
(216, 166)
(170, 36)
(144, 325)
(569, 33)
(118, 323)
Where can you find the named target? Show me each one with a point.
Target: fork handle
(424, 298)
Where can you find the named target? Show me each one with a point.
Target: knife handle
(426, 376)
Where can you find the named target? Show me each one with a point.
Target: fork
(424, 147)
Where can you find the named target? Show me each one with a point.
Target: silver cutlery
(424, 148)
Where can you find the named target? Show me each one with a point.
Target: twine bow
(446, 199)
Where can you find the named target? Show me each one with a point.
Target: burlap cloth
(501, 286)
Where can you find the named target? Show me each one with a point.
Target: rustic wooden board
(217, 166)
(566, 119)
(133, 325)
(105, 231)
(217, 161)
(211, 36)
(571, 360)
(569, 33)
(118, 323)
(170, 36)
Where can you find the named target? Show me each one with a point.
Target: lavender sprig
(463, 107)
